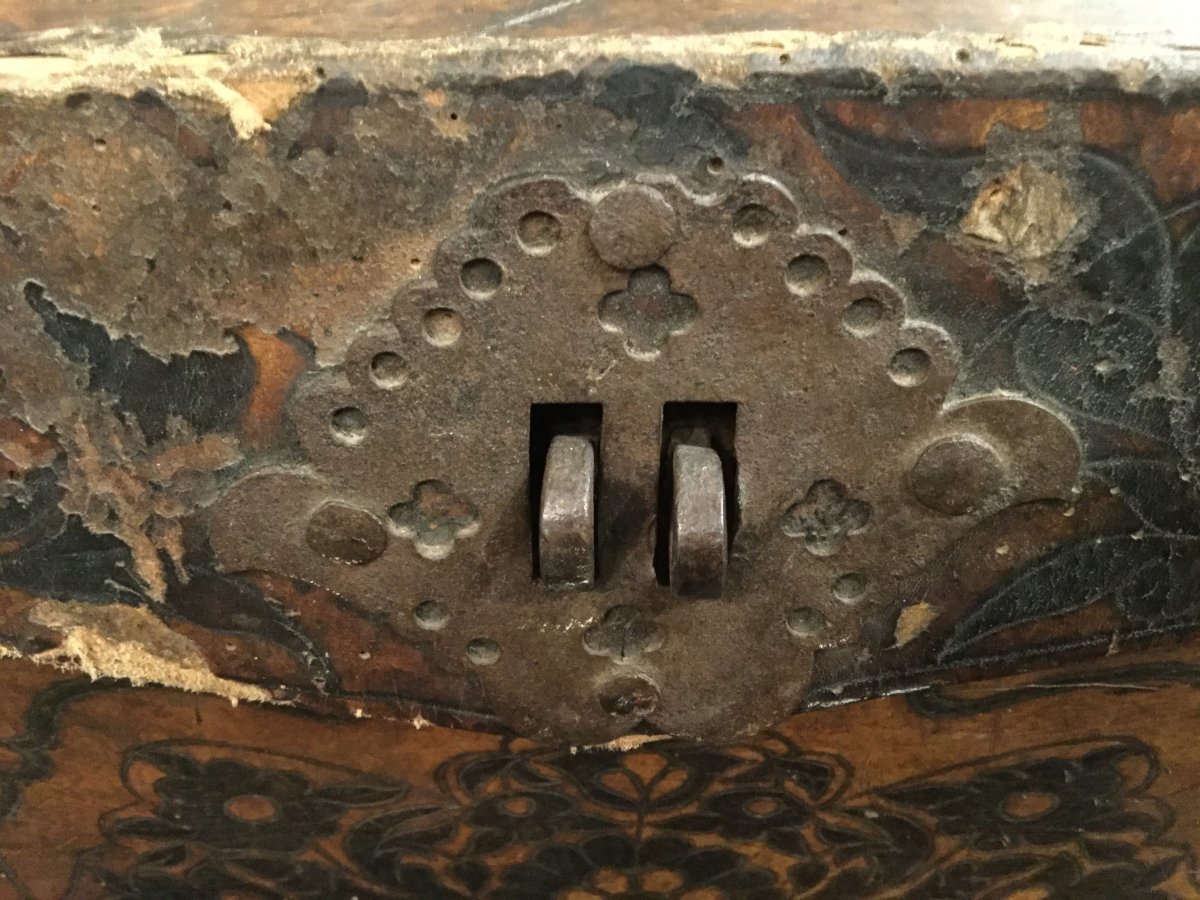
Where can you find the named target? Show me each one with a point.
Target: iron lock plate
(635, 319)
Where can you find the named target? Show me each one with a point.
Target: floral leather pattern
(763, 819)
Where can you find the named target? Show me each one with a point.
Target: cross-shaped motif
(826, 517)
(434, 519)
(623, 635)
(647, 312)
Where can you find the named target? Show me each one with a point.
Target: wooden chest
(575, 450)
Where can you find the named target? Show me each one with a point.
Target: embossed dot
(752, 225)
(629, 695)
(631, 227)
(850, 588)
(442, 327)
(910, 367)
(956, 475)
(388, 370)
(481, 277)
(716, 165)
(806, 274)
(539, 233)
(483, 651)
(804, 621)
(431, 615)
(349, 425)
(863, 316)
(346, 534)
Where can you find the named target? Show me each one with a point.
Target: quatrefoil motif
(647, 312)
(826, 517)
(434, 519)
(623, 635)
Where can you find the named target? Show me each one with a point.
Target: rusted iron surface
(641, 294)
(274, 329)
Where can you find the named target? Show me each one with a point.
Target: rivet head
(806, 622)
(629, 695)
(431, 615)
(632, 227)
(851, 587)
(346, 534)
(483, 651)
(957, 475)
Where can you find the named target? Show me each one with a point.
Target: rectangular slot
(703, 424)
(546, 422)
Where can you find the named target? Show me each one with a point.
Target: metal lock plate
(633, 455)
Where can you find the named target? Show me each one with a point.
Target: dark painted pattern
(763, 819)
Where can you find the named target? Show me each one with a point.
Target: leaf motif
(901, 178)
(1160, 871)
(164, 857)
(474, 774)
(1105, 369)
(1108, 851)
(973, 877)
(487, 840)
(1124, 260)
(1156, 493)
(170, 762)
(416, 828)
(75, 565)
(1148, 577)
(929, 798)
(270, 868)
(363, 794)
(788, 840)
(472, 873)
(847, 838)
(1185, 327)
(812, 776)
(527, 775)
(149, 827)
